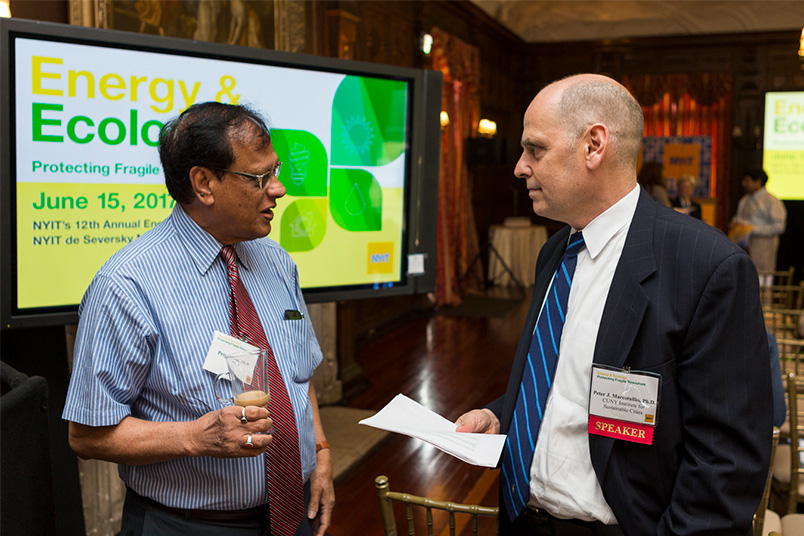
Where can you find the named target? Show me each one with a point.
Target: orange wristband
(320, 446)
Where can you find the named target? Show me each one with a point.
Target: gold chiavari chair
(389, 521)
(759, 515)
(782, 296)
(783, 323)
(778, 277)
(788, 471)
(791, 356)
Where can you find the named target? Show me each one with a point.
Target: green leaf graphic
(304, 224)
(355, 200)
(368, 121)
(304, 162)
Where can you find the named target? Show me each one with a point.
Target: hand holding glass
(248, 375)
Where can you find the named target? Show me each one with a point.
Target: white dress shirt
(562, 479)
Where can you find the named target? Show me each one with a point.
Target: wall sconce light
(444, 119)
(801, 46)
(487, 128)
(5, 10)
(426, 43)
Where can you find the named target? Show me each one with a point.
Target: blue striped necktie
(537, 377)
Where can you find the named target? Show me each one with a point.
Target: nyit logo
(380, 257)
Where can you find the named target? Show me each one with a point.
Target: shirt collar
(602, 229)
(201, 246)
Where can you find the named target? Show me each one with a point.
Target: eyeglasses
(269, 175)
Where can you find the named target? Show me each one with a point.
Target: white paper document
(405, 416)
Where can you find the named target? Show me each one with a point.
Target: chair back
(782, 296)
(777, 277)
(791, 357)
(783, 323)
(795, 404)
(389, 521)
(759, 515)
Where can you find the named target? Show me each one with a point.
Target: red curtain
(695, 104)
(458, 246)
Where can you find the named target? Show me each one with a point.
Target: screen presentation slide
(783, 152)
(89, 180)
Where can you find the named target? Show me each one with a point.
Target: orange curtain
(458, 247)
(695, 104)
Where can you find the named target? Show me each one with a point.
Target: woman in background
(683, 202)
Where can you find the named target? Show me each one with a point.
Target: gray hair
(587, 102)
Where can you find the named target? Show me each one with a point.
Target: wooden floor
(450, 365)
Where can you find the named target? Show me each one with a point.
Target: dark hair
(202, 136)
(651, 173)
(757, 174)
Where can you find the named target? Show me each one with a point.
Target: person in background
(766, 217)
(141, 394)
(627, 291)
(651, 177)
(683, 202)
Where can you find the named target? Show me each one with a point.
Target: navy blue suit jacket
(684, 303)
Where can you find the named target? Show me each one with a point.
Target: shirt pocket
(298, 349)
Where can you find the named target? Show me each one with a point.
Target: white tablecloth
(518, 247)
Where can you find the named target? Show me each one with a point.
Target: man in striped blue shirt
(139, 395)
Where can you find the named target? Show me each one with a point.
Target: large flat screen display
(783, 149)
(81, 177)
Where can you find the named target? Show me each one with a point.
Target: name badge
(623, 404)
(224, 346)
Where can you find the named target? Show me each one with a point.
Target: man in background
(765, 215)
(141, 394)
(628, 294)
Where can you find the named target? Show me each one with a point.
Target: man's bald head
(587, 99)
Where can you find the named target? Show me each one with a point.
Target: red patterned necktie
(283, 463)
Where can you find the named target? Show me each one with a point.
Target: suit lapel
(625, 307)
(627, 301)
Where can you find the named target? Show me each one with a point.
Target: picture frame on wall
(234, 22)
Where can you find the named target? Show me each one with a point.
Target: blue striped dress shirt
(146, 323)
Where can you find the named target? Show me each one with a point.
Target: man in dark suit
(652, 294)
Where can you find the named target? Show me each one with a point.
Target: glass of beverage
(248, 376)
